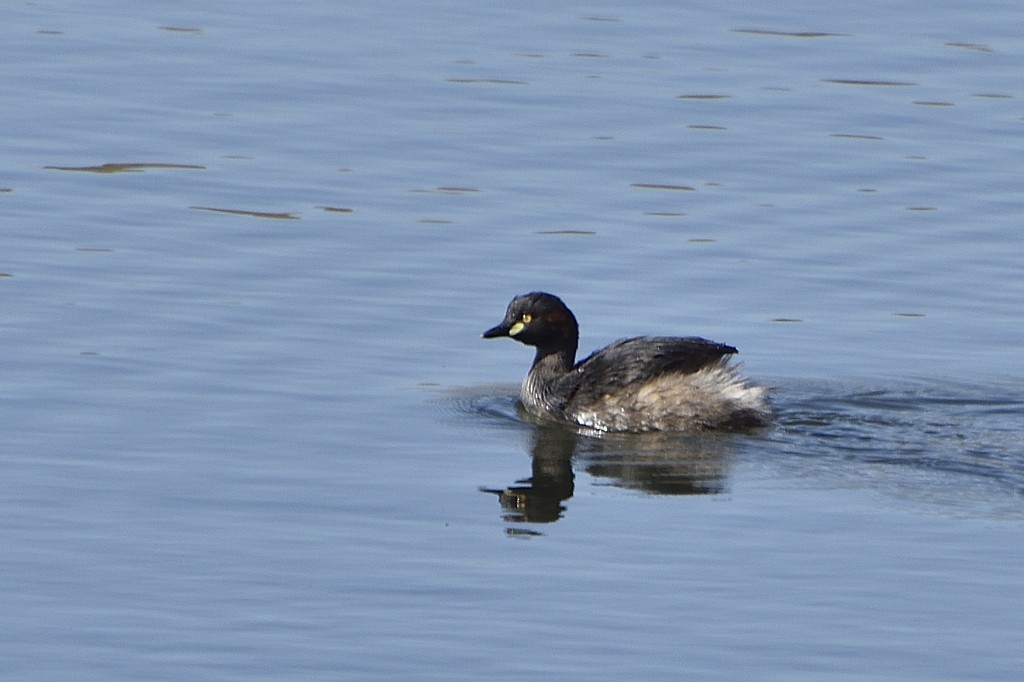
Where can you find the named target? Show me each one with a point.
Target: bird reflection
(661, 464)
(654, 463)
(538, 499)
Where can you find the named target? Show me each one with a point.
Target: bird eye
(526, 318)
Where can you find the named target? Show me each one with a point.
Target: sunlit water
(251, 431)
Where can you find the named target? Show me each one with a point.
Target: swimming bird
(646, 383)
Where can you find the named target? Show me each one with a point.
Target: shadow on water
(958, 448)
(662, 464)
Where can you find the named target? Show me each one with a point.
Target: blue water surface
(250, 430)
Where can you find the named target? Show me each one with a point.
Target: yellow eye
(526, 318)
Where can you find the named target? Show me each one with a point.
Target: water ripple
(950, 441)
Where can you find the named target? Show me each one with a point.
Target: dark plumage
(648, 383)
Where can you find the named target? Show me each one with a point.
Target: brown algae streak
(126, 167)
(486, 81)
(857, 136)
(790, 34)
(576, 233)
(654, 185)
(976, 47)
(250, 214)
(855, 81)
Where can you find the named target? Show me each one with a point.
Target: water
(265, 441)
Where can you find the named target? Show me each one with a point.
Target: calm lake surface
(250, 430)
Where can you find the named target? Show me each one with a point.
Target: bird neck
(553, 360)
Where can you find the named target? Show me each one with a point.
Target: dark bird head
(541, 320)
